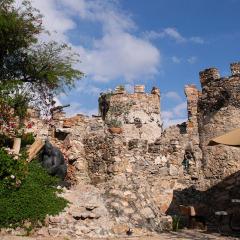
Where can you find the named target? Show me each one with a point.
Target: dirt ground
(181, 235)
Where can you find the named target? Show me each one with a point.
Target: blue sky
(162, 43)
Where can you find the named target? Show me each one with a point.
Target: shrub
(5, 141)
(114, 123)
(176, 222)
(35, 198)
(12, 172)
(27, 139)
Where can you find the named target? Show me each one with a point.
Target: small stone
(81, 230)
(124, 203)
(90, 207)
(116, 192)
(54, 232)
(147, 212)
(115, 204)
(43, 232)
(136, 217)
(127, 193)
(128, 211)
(54, 220)
(120, 229)
(173, 170)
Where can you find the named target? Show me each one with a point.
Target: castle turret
(209, 74)
(139, 113)
(218, 113)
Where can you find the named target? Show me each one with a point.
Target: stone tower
(139, 113)
(218, 113)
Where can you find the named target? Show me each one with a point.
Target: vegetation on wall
(117, 114)
(114, 123)
(12, 171)
(27, 139)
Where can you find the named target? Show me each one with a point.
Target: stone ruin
(137, 179)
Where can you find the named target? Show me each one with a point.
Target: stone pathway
(181, 235)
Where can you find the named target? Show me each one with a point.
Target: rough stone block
(147, 212)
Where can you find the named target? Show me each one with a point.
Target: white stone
(147, 212)
(173, 170)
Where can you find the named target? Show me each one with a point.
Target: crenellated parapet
(217, 91)
(212, 75)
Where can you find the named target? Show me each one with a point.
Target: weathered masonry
(137, 179)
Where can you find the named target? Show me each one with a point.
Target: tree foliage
(19, 29)
(31, 72)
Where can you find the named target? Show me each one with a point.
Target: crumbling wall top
(190, 88)
(139, 99)
(235, 68)
(209, 74)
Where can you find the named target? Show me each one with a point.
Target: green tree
(31, 71)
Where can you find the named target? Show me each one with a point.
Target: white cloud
(120, 55)
(172, 122)
(175, 115)
(167, 115)
(55, 20)
(192, 59)
(117, 54)
(104, 11)
(87, 88)
(167, 32)
(172, 96)
(197, 40)
(180, 109)
(175, 59)
(173, 34)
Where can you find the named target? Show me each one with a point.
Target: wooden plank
(16, 145)
(35, 149)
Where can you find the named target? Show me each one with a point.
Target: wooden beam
(35, 149)
(16, 145)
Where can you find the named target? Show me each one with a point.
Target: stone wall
(134, 179)
(218, 113)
